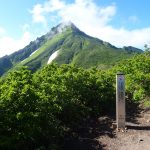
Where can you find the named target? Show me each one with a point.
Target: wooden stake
(120, 101)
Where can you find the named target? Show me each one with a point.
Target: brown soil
(99, 134)
(136, 137)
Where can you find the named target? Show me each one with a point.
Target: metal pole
(120, 101)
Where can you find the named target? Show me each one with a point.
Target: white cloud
(9, 44)
(86, 13)
(53, 5)
(123, 37)
(38, 12)
(96, 21)
(38, 16)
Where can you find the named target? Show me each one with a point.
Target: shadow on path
(134, 127)
(85, 137)
(132, 111)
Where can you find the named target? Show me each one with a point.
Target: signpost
(120, 101)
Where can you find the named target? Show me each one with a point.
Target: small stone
(147, 116)
(114, 125)
(118, 129)
(141, 140)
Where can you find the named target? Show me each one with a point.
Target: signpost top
(120, 73)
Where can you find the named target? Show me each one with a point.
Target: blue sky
(120, 22)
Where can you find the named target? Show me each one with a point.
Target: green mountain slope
(72, 47)
(5, 64)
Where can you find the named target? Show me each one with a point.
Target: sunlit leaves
(37, 109)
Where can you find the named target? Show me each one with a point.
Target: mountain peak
(61, 28)
(66, 24)
(66, 44)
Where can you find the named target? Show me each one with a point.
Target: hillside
(69, 45)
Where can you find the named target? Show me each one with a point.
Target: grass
(45, 47)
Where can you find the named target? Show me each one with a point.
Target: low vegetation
(38, 109)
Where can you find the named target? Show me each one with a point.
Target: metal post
(120, 101)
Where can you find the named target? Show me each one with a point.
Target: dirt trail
(137, 136)
(133, 139)
(98, 134)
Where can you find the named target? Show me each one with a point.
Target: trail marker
(120, 101)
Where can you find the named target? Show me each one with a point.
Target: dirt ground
(136, 137)
(99, 134)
